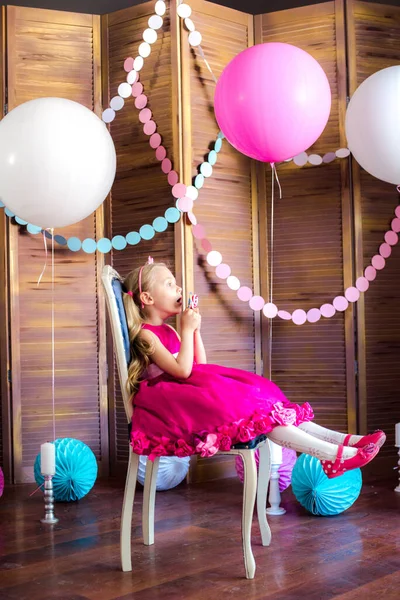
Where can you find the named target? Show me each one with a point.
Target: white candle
(276, 454)
(47, 459)
(397, 442)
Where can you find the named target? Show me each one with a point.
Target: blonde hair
(140, 349)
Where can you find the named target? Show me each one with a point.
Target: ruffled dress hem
(208, 443)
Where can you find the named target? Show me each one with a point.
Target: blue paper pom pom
(76, 470)
(321, 495)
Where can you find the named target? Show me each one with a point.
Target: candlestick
(49, 517)
(274, 495)
(397, 442)
(276, 453)
(397, 489)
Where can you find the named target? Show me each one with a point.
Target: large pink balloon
(272, 101)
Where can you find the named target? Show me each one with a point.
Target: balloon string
(277, 181)
(38, 488)
(52, 336)
(45, 259)
(207, 63)
(271, 267)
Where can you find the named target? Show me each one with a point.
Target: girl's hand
(196, 310)
(190, 320)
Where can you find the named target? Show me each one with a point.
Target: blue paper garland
(146, 232)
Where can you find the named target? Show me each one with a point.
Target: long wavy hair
(141, 350)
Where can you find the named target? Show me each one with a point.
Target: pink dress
(213, 409)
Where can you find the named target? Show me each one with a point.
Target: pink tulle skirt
(215, 408)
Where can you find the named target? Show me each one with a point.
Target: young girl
(184, 406)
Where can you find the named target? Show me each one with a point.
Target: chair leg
(127, 508)
(264, 469)
(149, 498)
(249, 497)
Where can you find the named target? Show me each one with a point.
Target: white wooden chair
(113, 288)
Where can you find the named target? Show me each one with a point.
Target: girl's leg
(328, 435)
(301, 441)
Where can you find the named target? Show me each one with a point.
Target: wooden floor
(197, 554)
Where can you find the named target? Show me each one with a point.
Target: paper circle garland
(172, 470)
(160, 8)
(321, 495)
(185, 204)
(285, 470)
(76, 470)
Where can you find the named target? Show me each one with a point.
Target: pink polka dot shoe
(378, 438)
(340, 465)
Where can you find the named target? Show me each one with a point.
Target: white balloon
(373, 125)
(171, 471)
(57, 162)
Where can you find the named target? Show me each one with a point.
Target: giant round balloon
(285, 469)
(373, 125)
(172, 470)
(57, 162)
(272, 101)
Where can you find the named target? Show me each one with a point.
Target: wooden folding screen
(141, 191)
(312, 257)
(374, 44)
(51, 53)
(227, 203)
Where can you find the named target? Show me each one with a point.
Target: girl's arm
(181, 366)
(199, 350)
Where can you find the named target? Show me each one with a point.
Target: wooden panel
(54, 54)
(224, 205)
(312, 240)
(374, 44)
(141, 191)
(5, 425)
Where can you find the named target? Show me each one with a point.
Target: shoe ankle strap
(339, 453)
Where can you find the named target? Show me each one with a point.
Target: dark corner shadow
(206, 90)
(214, 290)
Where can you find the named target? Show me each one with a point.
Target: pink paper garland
(150, 129)
(146, 117)
(328, 310)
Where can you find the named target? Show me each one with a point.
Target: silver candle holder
(49, 517)
(397, 489)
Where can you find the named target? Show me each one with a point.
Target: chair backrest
(112, 283)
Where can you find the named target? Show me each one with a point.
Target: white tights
(313, 439)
